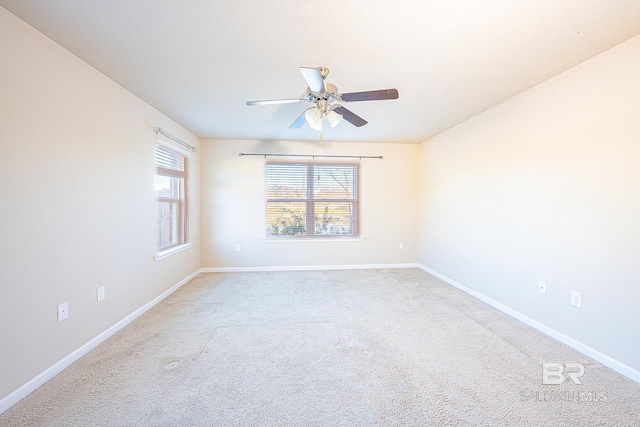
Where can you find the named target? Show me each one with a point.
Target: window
(171, 172)
(311, 199)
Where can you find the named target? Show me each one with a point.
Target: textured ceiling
(198, 61)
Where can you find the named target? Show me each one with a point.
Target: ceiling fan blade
(276, 101)
(352, 118)
(372, 95)
(313, 77)
(299, 121)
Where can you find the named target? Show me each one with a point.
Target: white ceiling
(198, 61)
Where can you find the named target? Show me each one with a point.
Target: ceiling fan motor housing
(323, 99)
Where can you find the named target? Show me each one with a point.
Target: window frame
(182, 221)
(310, 202)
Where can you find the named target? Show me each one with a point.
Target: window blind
(171, 196)
(168, 159)
(311, 199)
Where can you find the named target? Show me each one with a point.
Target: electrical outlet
(63, 311)
(576, 299)
(237, 248)
(542, 287)
(401, 245)
(100, 293)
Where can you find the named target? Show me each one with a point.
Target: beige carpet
(333, 348)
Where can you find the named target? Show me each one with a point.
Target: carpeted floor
(331, 348)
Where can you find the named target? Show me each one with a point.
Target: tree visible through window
(171, 194)
(312, 199)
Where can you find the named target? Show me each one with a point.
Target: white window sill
(173, 250)
(313, 240)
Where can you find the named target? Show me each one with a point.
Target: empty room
(355, 213)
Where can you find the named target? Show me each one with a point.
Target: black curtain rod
(309, 155)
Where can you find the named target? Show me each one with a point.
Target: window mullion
(311, 226)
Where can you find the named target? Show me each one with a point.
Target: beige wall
(546, 187)
(233, 206)
(542, 187)
(77, 207)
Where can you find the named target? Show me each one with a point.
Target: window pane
(311, 199)
(171, 175)
(167, 187)
(167, 224)
(334, 182)
(334, 218)
(286, 181)
(286, 219)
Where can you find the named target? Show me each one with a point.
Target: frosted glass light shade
(333, 118)
(313, 116)
(316, 126)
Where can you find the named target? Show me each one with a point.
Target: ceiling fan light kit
(328, 101)
(333, 118)
(313, 116)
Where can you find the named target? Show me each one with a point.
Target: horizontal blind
(167, 159)
(334, 182)
(286, 181)
(311, 199)
(171, 195)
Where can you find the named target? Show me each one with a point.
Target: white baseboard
(54, 370)
(306, 267)
(58, 367)
(49, 373)
(612, 363)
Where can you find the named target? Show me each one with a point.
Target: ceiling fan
(328, 101)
